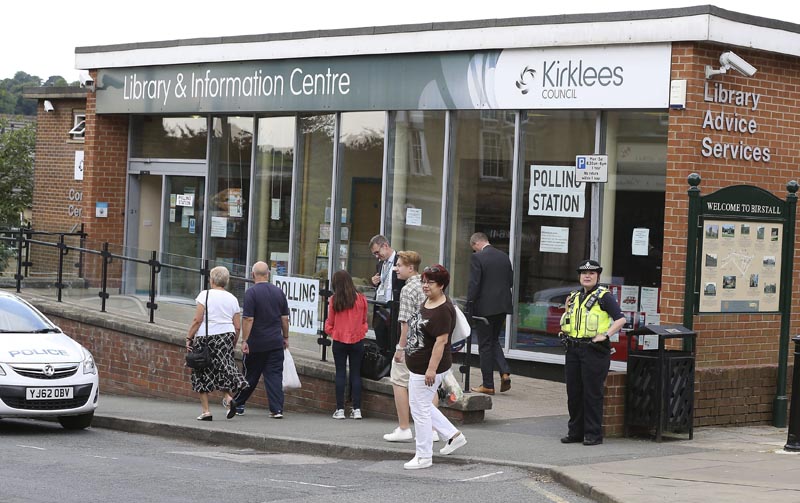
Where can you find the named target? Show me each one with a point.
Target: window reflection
(481, 187)
(272, 192)
(168, 137)
(547, 271)
(415, 182)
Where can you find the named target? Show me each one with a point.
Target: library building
(561, 138)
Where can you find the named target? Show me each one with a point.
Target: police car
(43, 372)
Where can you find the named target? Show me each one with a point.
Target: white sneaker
(435, 436)
(399, 435)
(339, 414)
(454, 443)
(417, 463)
(355, 414)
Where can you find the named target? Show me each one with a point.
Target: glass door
(182, 242)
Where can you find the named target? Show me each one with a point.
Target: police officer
(592, 313)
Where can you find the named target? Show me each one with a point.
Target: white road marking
(302, 483)
(481, 476)
(31, 447)
(99, 457)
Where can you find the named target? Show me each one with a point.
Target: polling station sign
(302, 295)
(556, 192)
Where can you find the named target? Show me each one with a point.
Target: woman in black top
(428, 357)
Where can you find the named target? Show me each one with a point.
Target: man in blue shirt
(265, 334)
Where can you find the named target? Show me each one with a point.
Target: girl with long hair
(347, 326)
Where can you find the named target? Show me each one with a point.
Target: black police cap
(589, 265)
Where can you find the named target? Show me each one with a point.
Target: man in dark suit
(386, 281)
(490, 282)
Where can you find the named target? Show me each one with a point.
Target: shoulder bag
(200, 357)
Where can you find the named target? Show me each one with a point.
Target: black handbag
(200, 358)
(376, 364)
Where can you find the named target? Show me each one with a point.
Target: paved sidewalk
(523, 430)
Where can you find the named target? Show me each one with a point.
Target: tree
(17, 147)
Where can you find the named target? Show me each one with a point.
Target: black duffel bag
(376, 364)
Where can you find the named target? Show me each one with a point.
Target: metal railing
(23, 239)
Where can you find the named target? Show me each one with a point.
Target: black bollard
(793, 440)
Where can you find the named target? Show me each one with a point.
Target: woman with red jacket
(347, 326)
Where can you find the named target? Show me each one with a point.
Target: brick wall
(140, 359)
(728, 339)
(57, 205)
(105, 181)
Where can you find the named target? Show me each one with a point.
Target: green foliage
(11, 100)
(16, 172)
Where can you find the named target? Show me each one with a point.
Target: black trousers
(586, 371)
(380, 325)
(489, 350)
(268, 364)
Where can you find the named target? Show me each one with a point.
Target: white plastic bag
(452, 389)
(462, 329)
(290, 378)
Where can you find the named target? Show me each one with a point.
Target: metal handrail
(22, 237)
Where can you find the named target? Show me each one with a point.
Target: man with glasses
(386, 281)
(489, 291)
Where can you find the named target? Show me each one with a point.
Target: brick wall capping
(54, 92)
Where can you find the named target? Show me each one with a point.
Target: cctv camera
(48, 106)
(731, 60)
(88, 82)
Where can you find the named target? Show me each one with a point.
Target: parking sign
(591, 168)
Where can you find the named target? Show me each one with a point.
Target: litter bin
(660, 387)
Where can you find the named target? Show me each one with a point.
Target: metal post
(793, 440)
(323, 340)
(691, 252)
(62, 250)
(780, 402)
(465, 367)
(18, 276)
(155, 268)
(106, 257)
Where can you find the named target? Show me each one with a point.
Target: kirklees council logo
(624, 76)
(522, 84)
(563, 80)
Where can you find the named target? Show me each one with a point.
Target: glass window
(555, 219)
(361, 172)
(633, 201)
(415, 182)
(272, 192)
(168, 137)
(229, 191)
(312, 212)
(480, 198)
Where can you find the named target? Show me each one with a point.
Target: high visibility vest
(585, 319)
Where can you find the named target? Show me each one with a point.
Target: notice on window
(414, 216)
(554, 239)
(556, 192)
(649, 300)
(640, 242)
(235, 202)
(172, 215)
(219, 227)
(275, 213)
(630, 298)
(186, 200)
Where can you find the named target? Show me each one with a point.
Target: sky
(42, 41)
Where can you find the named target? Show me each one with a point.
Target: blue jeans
(270, 365)
(341, 353)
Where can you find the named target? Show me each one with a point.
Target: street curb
(276, 443)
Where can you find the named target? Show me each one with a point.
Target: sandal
(205, 417)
